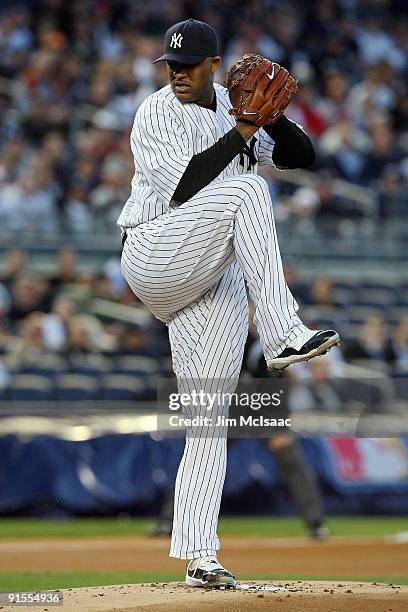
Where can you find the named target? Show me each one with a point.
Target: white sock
(195, 562)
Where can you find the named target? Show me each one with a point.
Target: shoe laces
(203, 562)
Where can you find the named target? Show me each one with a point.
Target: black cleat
(318, 345)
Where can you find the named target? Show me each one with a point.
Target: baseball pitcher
(198, 228)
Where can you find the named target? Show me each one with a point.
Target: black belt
(124, 236)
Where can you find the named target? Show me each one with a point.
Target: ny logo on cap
(176, 41)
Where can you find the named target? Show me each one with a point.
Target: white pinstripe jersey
(165, 136)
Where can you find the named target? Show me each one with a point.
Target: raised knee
(254, 179)
(253, 184)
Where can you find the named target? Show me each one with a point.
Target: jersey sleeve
(266, 147)
(160, 147)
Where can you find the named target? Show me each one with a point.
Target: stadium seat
(397, 313)
(348, 285)
(90, 365)
(343, 296)
(381, 309)
(360, 314)
(77, 387)
(30, 387)
(349, 331)
(376, 365)
(403, 297)
(323, 316)
(139, 366)
(47, 364)
(166, 366)
(122, 387)
(376, 296)
(397, 206)
(400, 381)
(378, 284)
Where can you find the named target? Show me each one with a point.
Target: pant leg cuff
(291, 336)
(195, 554)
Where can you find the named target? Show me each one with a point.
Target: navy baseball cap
(189, 42)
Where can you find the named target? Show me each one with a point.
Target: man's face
(191, 82)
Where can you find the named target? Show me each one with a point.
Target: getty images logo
(176, 41)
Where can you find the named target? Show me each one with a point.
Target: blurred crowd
(72, 75)
(54, 314)
(43, 314)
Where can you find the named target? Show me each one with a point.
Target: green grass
(248, 526)
(93, 527)
(35, 581)
(242, 526)
(32, 581)
(286, 527)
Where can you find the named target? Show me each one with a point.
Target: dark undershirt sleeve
(206, 166)
(293, 148)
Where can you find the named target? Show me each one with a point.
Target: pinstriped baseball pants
(189, 266)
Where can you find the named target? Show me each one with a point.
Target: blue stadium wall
(113, 474)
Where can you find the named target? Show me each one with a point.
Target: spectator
(4, 376)
(134, 340)
(332, 105)
(343, 148)
(29, 343)
(78, 215)
(108, 197)
(304, 109)
(252, 39)
(86, 335)
(5, 303)
(375, 44)
(399, 346)
(15, 265)
(298, 288)
(373, 343)
(103, 287)
(56, 324)
(391, 191)
(27, 295)
(320, 202)
(130, 92)
(373, 93)
(318, 385)
(322, 292)
(78, 74)
(305, 202)
(112, 270)
(66, 272)
(16, 40)
(29, 204)
(383, 151)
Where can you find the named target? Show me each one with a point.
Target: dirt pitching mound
(283, 596)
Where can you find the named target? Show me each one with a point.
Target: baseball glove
(259, 90)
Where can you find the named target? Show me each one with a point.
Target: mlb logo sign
(176, 41)
(368, 460)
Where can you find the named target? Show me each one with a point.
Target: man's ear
(215, 62)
